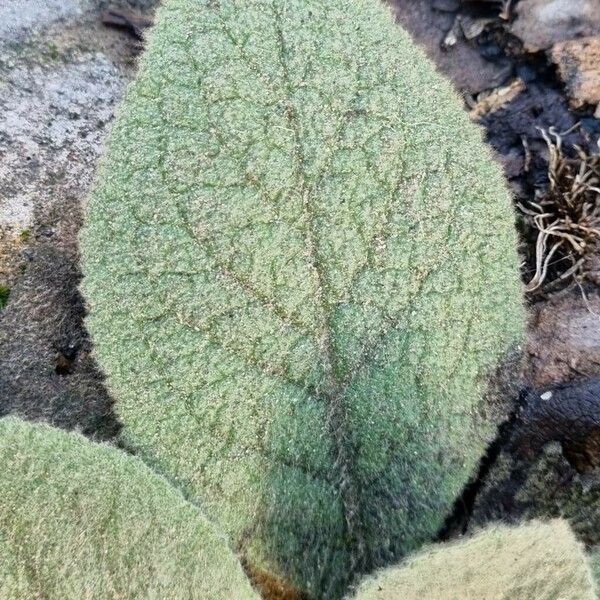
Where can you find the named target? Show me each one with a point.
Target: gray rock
(62, 74)
(542, 23)
(18, 18)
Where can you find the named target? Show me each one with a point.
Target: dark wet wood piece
(568, 414)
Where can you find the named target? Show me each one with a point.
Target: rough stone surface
(542, 23)
(578, 64)
(21, 19)
(61, 76)
(18, 18)
(52, 123)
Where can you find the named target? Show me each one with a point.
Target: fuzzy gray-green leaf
(86, 521)
(301, 267)
(534, 561)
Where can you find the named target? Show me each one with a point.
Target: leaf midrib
(333, 388)
(332, 392)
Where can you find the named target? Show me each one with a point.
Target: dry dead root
(566, 215)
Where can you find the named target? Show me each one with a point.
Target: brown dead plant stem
(566, 215)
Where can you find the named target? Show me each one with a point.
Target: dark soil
(46, 368)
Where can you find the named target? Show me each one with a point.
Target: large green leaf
(85, 521)
(301, 267)
(535, 561)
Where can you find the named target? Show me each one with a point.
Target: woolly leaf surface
(83, 520)
(595, 561)
(536, 561)
(300, 268)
